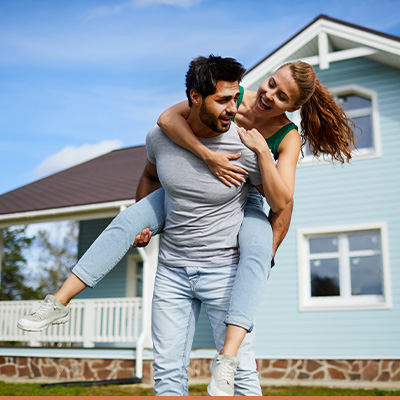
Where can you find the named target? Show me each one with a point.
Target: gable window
(359, 109)
(361, 106)
(344, 268)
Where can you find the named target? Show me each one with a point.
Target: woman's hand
(228, 173)
(143, 239)
(253, 139)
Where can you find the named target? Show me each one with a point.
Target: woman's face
(277, 94)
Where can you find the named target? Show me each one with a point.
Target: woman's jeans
(255, 241)
(115, 241)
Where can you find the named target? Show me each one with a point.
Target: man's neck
(199, 128)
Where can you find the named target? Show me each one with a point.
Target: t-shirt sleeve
(253, 169)
(151, 145)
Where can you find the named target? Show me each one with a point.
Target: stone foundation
(306, 370)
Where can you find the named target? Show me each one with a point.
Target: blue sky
(81, 77)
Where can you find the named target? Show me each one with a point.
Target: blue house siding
(364, 191)
(114, 284)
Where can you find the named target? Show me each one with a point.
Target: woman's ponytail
(324, 124)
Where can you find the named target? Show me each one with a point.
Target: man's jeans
(178, 294)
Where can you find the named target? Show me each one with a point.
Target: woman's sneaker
(50, 311)
(223, 369)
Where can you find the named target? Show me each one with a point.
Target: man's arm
(149, 181)
(280, 225)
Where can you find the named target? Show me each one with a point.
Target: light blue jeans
(178, 295)
(115, 241)
(255, 241)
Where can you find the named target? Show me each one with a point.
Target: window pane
(365, 241)
(364, 133)
(324, 245)
(366, 275)
(139, 287)
(325, 277)
(353, 101)
(139, 270)
(139, 279)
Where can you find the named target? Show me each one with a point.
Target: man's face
(218, 109)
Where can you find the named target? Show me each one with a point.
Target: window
(344, 268)
(134, 277)
(361, 106)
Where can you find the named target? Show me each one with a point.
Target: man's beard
(211, 121)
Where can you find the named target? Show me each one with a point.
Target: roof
(326, 40)
(108, 178)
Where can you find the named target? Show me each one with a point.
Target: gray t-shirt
(203, 216)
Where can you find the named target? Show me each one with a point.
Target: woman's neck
(266, 125)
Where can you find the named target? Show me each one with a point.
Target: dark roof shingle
(111, 177)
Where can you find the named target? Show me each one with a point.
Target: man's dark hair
(204, 73)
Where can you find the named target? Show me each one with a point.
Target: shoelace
(226, 371)
(43, 306)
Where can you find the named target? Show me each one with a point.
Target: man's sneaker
(49, 311)
(223, 369)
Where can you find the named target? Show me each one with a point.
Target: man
(198, 254)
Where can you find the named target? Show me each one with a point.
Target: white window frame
(358, 154)
(132, 275)
(308, 303)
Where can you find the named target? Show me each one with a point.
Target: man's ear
(196, 97)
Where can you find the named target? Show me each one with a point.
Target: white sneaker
(223, 369)
(49, 311)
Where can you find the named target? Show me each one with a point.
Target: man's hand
(143, 239)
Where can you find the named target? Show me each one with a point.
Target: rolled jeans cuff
(245, 324)
(83, 276)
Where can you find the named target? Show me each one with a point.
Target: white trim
(306, 303)
(323, 49)
(83, 212)
(368, 43)
(327, 357)
(93, 353)
(130, 354)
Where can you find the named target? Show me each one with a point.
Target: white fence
(114, 320)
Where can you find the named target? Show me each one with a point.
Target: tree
(14, 283)
(58, 252)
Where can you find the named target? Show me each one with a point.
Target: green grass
(35, 389)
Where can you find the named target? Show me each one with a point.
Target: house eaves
(76, 213)
(98, 188)
(326, 40)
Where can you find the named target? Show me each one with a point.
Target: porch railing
(113, 320)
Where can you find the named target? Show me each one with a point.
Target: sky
(79, 78)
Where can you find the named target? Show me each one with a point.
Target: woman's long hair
(324, 124)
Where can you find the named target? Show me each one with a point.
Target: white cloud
(173, 3)
(114, 9)
(70, 156)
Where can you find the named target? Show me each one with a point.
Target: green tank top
(275, 140)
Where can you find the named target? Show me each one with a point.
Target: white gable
(325, 41)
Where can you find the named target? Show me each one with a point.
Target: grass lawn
(35, 389)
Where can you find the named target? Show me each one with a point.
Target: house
(331, 310)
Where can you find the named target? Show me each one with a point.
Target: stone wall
(311, 370)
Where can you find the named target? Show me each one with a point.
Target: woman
(262, 116)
